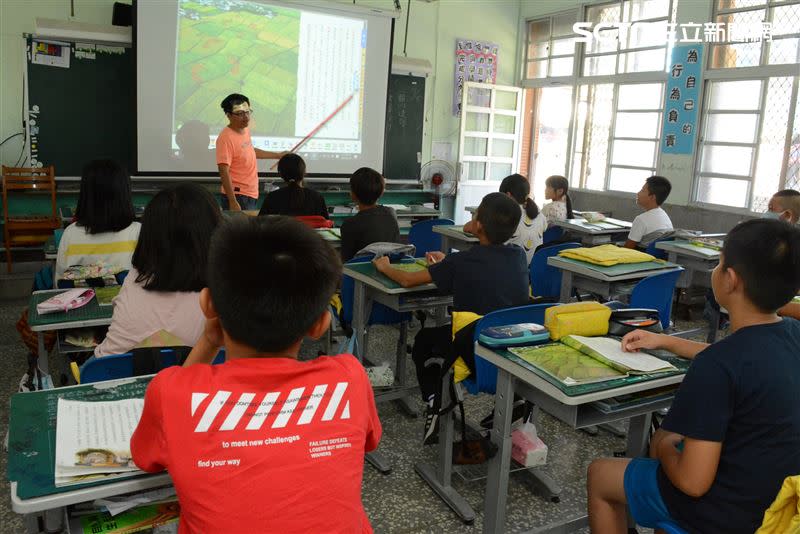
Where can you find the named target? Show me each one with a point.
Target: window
(750, 142)
(755, 20)
(617, 96)
(640, 48)
(750, 135)
(550, 50)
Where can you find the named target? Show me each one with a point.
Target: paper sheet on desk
(118, 504)
(611, 349)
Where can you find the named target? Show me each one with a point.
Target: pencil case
(623, 321)
(514, 335)
(68, 300)
(577, 318)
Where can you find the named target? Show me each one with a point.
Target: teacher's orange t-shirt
(235, 150)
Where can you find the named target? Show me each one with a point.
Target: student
(784, 205)
(294, 199)
(557, 190)
(482, 279)
(372, 223)
(736, 413)
(263, 440)
(654, 192)
(104, 229)
(162, 290)
(532, 223)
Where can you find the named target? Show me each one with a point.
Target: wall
(18, 17)
(433, 29)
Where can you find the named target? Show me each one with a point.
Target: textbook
(106, 294)
(583, 360)
(93, 440)
(134, 520)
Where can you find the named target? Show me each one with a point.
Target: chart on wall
(476, 61)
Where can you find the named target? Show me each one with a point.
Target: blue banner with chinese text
(682, 99)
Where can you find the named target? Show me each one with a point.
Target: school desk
(570, 404)
(594, 233)
(601, 280)
(31, 453)
(372, 286)
(698, 262)
(92, 314)
(454, 237)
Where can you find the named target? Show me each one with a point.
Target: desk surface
(32, 438)
(455, 232)
(91, 314)
(607, 226)
(615, 273)
(583, 393)
(687, 248)
(368, 274)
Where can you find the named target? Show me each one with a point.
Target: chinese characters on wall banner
(681, 100)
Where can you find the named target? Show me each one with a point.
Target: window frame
(763, 72)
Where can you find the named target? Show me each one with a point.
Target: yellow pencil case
(577, 318)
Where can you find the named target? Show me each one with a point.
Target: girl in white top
(532, 223)
(557, 190)
(162, 291)
(104, 229)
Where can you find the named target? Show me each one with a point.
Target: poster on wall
(476, 61)
(681, 100)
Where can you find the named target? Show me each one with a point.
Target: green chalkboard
(83, 111)
(405, 114)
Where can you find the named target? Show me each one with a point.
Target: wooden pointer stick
(319, 127)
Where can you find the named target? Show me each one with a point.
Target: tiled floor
(399, 502)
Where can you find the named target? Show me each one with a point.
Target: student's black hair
(766, 256)
(559, 182)
(520, 188)
(660, 187)
(104, 202)
(499, 215)
(784, 193)
(270, 278)
(172, 252)
(233, 99)
(367, 185)
(292, 169)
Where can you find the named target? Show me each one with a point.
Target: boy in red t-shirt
(263, 442)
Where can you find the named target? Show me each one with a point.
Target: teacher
(236, 156)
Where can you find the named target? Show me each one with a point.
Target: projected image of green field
(228, 47)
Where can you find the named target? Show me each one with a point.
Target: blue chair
(554, 233)
(485, 377)
(424, 238)
(121, 365)
(546, 280)
(656, 292)
(670, 528)
(657, 252)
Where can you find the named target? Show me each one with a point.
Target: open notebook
(584, 360)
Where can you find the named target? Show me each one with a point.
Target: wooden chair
(28, 230)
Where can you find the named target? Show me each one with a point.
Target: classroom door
(488, 148)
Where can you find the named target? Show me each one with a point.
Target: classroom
(400, 266)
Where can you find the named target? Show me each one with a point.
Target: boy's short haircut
(233, 99)
(766, 256)
(660, 187)
(499, 215)
(270, 278)
(790, 200)
(367, 185)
